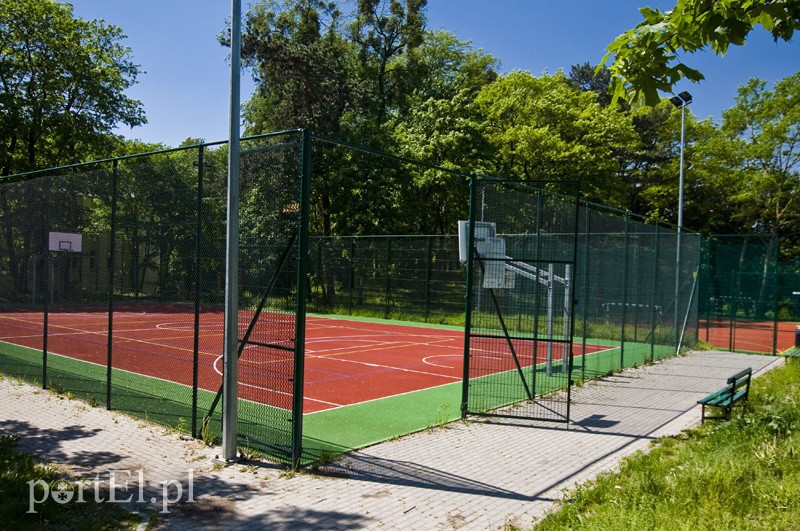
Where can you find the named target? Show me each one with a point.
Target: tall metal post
(775, 296)
(537, 304)
(636, 304)
(587, 222)
(680, 222)
(572, 302)
(231, 333)
(352, 273)
(46, 316)
(709, 283)
(388, 277)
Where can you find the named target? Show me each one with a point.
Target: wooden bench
(737, 390)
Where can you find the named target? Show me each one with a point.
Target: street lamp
(680, 101)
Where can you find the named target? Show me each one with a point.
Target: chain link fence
(113, 277)
(748, 300)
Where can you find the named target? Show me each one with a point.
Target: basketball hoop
(71, 242)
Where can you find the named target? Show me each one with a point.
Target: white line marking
(425, 360)
(268, 390)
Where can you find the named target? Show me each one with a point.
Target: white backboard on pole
(483, 230)
(65, 241)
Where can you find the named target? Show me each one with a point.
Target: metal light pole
(231, 333)
(680, 101)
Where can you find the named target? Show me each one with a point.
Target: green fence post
(197, 295)
(636, 288)
(732, 308)
(537, 306)
(654, 298)
(709, 286)
(775, 295)
(587, 236)
(468, 299)
(47, 288)
(352, 272)
(45, 320)
(300, 319)
(388, 277)
(112, 260)
(323, 282)
(624, 294)
(572, 299)
(428, 259)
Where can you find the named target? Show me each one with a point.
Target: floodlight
(685, 96)
(676, 101)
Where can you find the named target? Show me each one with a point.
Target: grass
(740, 474)
(17, 469)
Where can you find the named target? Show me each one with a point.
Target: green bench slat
(722, 393)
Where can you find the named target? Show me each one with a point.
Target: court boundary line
(140, 375)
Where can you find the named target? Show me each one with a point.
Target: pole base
(226, 462)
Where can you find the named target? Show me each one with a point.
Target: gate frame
(534, 186)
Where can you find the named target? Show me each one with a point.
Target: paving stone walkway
(474, 475)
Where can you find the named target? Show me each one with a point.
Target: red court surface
(347, 361)
(748, 336)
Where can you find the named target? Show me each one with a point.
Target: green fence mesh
(25, 270)
(747, 294)
(134, 321)
(628, 299)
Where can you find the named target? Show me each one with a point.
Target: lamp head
(676, 101)
(685, 96)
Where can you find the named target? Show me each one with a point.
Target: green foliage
(764, 127)
(373, 74)
(302, 63)
(646, 58)
(543, 128)
(63, 85)
(731, 475)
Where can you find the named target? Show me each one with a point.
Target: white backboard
(65, 241)
(483, 230)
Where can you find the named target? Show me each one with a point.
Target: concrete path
(475, 475)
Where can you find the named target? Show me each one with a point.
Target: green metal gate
(520, 247)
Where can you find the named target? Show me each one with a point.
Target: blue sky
(185, 87)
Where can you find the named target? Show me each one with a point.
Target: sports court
(367, 373)
(763, 337)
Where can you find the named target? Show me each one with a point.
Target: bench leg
(703, 414)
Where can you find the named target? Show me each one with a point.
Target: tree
(765, 127)
(384, 30)
(542, 128)
(442, 126)
(63, 85)
(646, 57)
(585, 77)
(302, 64)
(62, 91)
